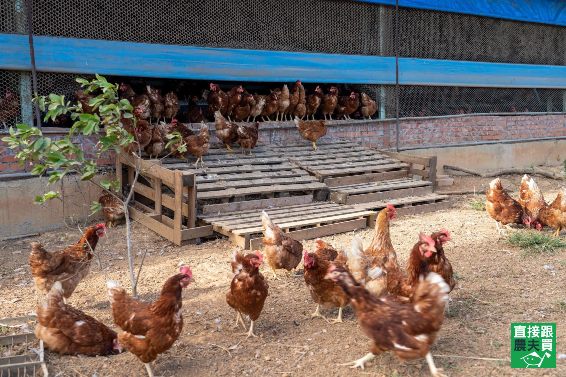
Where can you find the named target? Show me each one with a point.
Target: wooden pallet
(304, 221)
(22, 353)
(339, 158)
(232, 181)
(380, 190)
(160, 192)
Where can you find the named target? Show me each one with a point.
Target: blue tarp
(551, 12)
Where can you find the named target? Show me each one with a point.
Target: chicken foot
(360, 363)
(239, 319)
(318, 314)
(148, 368)
(499, 228)
(314, 147)
(339, 318)
(434, 371)
(229, 149)
(251, 332)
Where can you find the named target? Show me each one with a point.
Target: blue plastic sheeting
(88, 56)
(551, 12)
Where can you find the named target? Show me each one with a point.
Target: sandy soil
(497, 284)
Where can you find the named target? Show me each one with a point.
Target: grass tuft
(537, 242)
(477, 204)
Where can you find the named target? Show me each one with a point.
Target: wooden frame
(182, 200)
(422, 166)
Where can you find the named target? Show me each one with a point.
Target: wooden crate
(173, 190)
(304, 221)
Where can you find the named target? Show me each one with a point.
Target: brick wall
(414, 132)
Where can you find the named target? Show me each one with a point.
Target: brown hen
(311, 130)
(281, 251)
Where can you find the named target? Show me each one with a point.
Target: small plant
(537, 242)
(477, 204)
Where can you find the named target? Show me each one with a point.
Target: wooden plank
(343, 154)
(233, 192)
(424, 208)
(209, 178)
(198, 232)
(313, 221)
(286, 216)
(320, 231)
(432, 171)
(401, 201)
(149, 168)
(240, 241)
(338, 160)
(157, 195)
(154, 225)
(364, 178)
(242, 169)
(387, 195)
(310, 206)
(178, 207)
(224, 185)
(346, 165)
(323, 173)
(225, 163)
(410, 159)
(382, 186)
(191, 203)
(210, 209)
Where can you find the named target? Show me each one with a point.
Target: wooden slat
(387, 195)
(149, 168)
(233, 192)
(271, 211)
(156, 226)
(344, 154)
(320, 231)
(339, 160)
(210, 209)
(364, 178)
(382, 186)
(229, 163)
(410, 159)
(243, 169)
(361, 169)
(196, 232)
(424, 208)
(209, 178)
(401, 201)
(286, 216)
(313, 221)
(224, 185)
(345, 165)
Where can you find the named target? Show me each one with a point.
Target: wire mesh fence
(338, 27)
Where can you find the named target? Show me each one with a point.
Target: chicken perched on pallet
(347, 105)
(112, 208)
(248, 289)
(150, 328)
(247, 136)
(271, 105)
(283, 103)
(69, 331)
(293, 100)
(234, 99)
(242, 111)
(158, 140)
(69, 266)
(324, 292)
(198, 144)
(301, 107)
(156, 99)
(226, 131)
(329, 102)
(554, 215)
(313, 102)
(406, 328)
(502, 207)
(257, 108)
(217, 101)
(281, 251)
(369, 106)
(171, 106)
(532, 200)
(311, 130)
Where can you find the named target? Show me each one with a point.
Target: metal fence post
(26, 107)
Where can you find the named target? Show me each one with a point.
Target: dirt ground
(497, 284)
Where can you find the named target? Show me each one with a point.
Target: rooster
(502, 207)
(282, 251)
(247, 136)
(311, 130)
(248, 289)
(323, 291)
(69, 331)
(554, 215)
(112, 208)
(69, 265)
(406, 328)
(150, 328)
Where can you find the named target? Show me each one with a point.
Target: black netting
(345, 27)
(11, 88)
(13, 17)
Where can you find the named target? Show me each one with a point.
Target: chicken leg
(314, 147)
(274, 274)
(339, 318)
(251, 332)
(239, 320)
(229, 149)
(360, 363)
(148, 368)
(317, 313)
(499, 228)
(557, 233)
(434, 371)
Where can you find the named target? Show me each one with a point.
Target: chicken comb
(259, 255)
(428, 239)
(186, 270)
(101, 226)
(447, 235)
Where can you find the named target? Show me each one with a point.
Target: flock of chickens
(400, 311)
(530, 210)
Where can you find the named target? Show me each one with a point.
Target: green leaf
(95, 207)
(40, 199)
(38, 169)
(82, 81)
